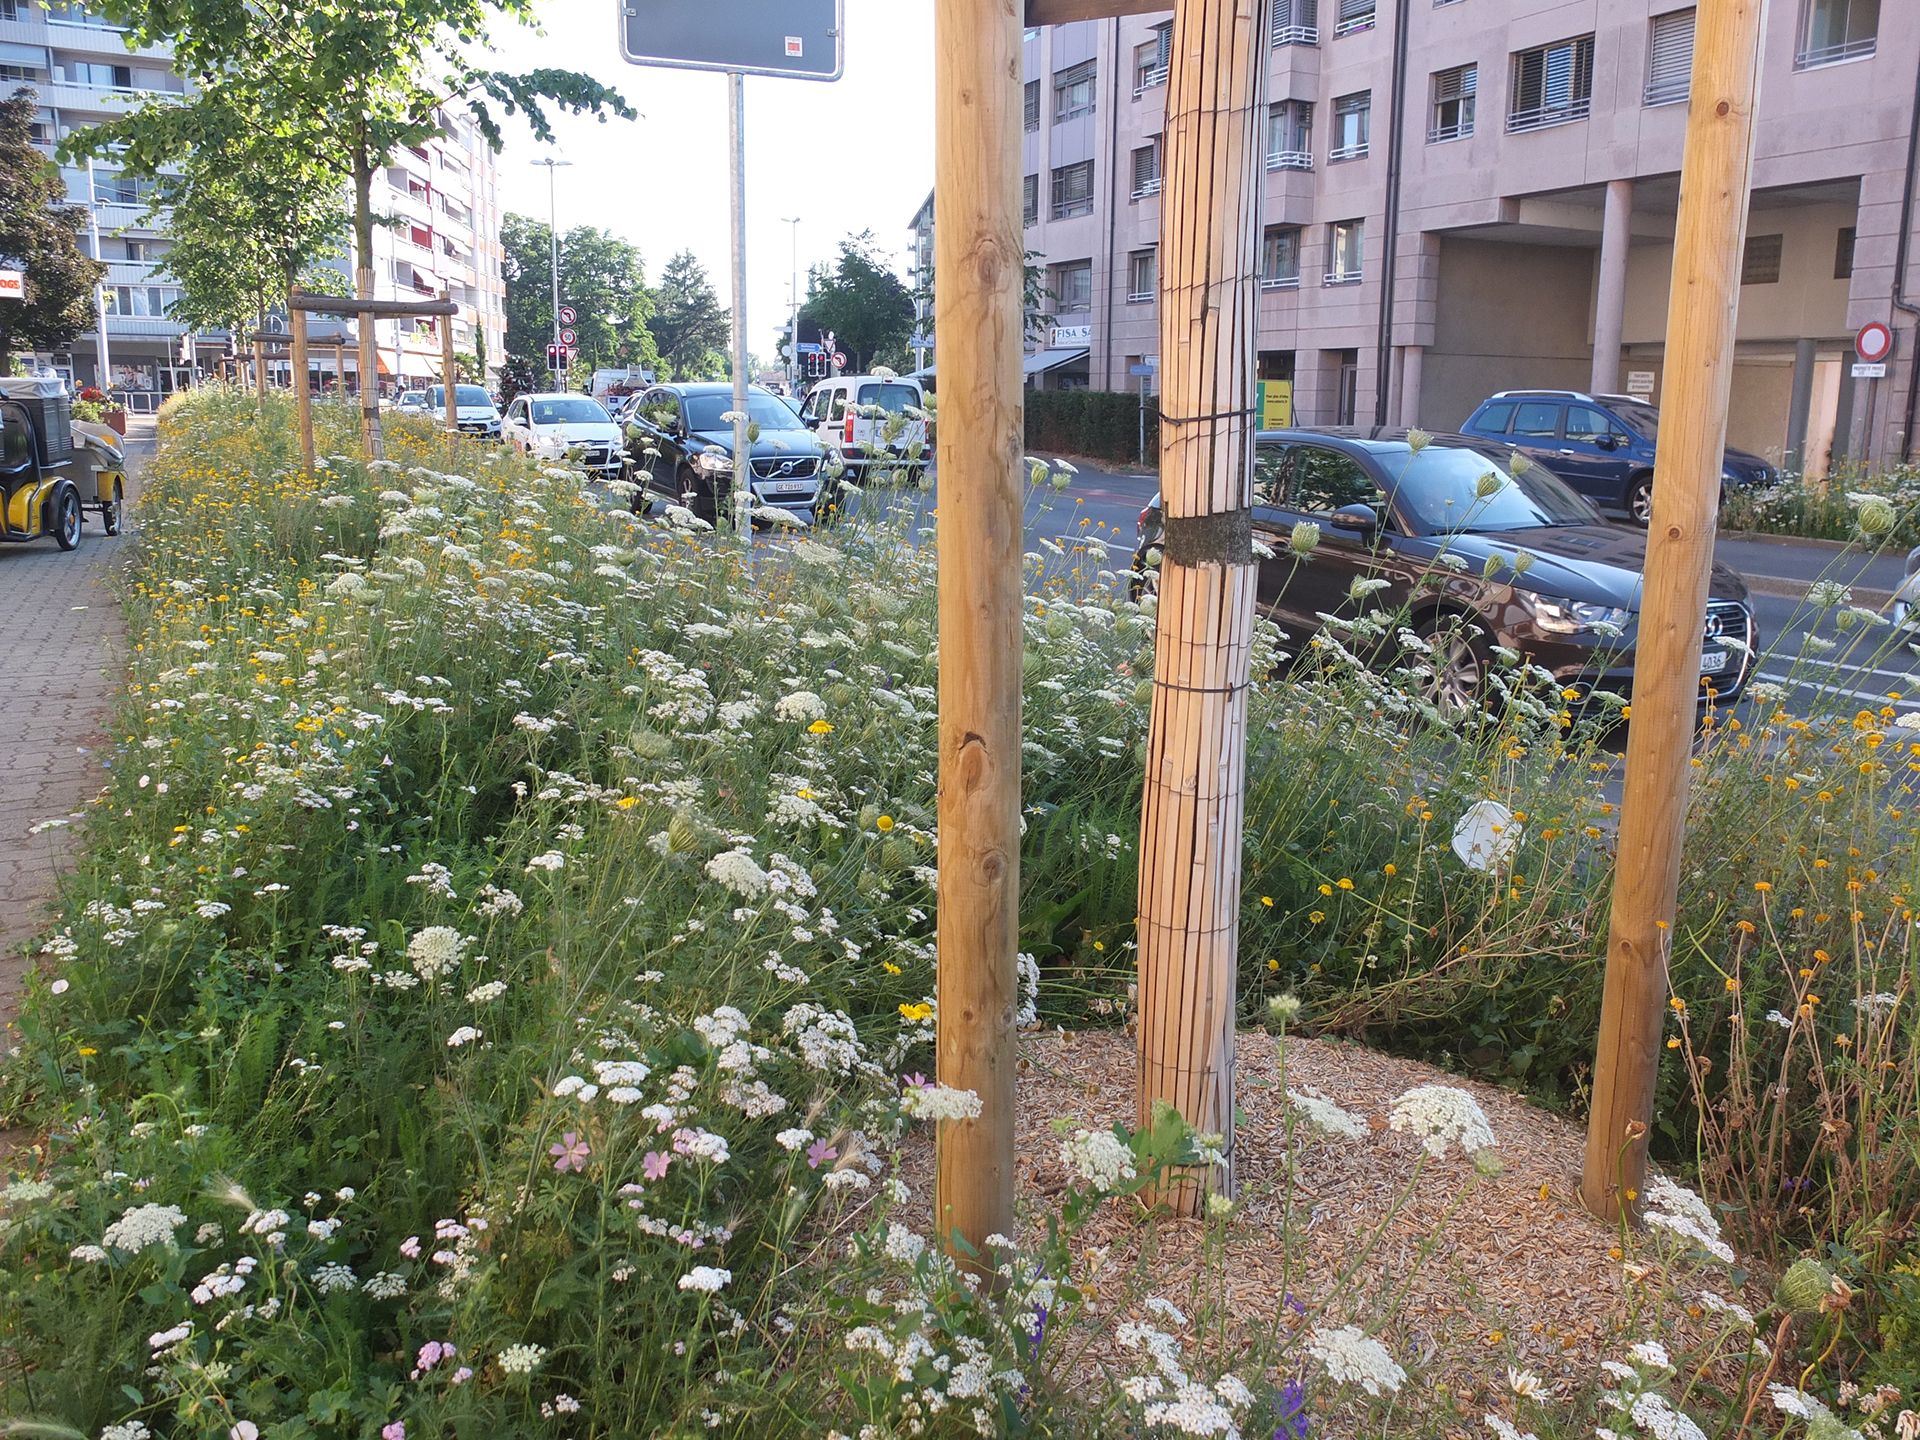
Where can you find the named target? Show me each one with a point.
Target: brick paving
(60, 667)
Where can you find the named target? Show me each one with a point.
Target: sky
(845, 156)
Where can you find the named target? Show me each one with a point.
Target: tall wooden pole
(302, 393)
(979, 257)
(448, 375)
(1191, 814)
(1715, 175)
(259, 368)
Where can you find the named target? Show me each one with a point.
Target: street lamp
(553, 232)
(793, 339)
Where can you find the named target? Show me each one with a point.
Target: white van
(869, 420)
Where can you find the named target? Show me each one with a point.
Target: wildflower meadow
(496, 998)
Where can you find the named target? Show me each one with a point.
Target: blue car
(1601, 445)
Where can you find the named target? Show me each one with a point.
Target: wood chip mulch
(1473, 1274)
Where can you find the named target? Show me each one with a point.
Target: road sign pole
(1716, 174)
(737, 191)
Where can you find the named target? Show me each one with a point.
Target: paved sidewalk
(59, 671)
(1785, 566)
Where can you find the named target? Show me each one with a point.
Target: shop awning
(1045, 360)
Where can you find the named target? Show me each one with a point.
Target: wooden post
(1191, 814)
(1715, 176)
(259, 368)
(369, 365)
(340, 369)
(449, 378)
(978, 254)
(302, 392)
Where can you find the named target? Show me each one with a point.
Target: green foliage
(601, 277)
(863, 303)
(1878, 507)
(689, 325)
(1099, 424)
(40, 234)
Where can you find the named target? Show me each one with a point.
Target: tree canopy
(40, 234)
(690, 326)
(601, 276)
(867, 307)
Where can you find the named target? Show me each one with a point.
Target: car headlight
(1577, 617)
(713, 462)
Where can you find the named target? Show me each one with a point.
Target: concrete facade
(1537, 195)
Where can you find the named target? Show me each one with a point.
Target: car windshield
(1442, 488)
(569, 410)
(1643, 420)
(763, 409)
(891, 398)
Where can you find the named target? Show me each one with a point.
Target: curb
(1781, 588)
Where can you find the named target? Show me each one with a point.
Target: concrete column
(1843, 415)
(1799, 405)
(1610, 303)
(1412, 365)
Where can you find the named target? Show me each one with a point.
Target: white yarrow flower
(1350, 1356)
(1442, 1116)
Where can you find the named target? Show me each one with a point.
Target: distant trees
(40, 234)
(690, 326)
(867, 307)
(601, 276)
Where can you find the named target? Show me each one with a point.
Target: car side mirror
(1356, 519)
(1606, 442)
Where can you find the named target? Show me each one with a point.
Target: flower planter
(117, 419)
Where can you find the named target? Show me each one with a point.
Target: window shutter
(1458, 84)
(1163, 38)
(1670, 58)
(1354, 12)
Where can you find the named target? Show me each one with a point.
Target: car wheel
(114, 513)
(66, 520)
(1145, 583)
(1640, 499)
(1459, 660)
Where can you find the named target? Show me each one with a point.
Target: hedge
(1099, 424)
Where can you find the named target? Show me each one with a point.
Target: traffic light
(816, 365)
(555, 355)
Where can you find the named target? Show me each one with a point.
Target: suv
(473, 409)
(869, 419)
(1601, 445)
(680, 442)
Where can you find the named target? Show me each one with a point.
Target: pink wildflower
(819, 1153)
(410, 1247)
(460, 1376)
(570, 1154)
(395, 1431)
(655, 1165)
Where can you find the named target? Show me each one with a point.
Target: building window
(1030, 199)
(1296, 22)
(1073, 287)
(1453, 92)
(1143, 275)
(1843, 254)
(1346, 246)
(1833, 30)
(1073, 91)
(1073, 190)
(1151, 60)
(1146, 169)
(109, 77)
(1033, 104)
(1670, 58)
(1280, 258)
(1352, 121)
(1354, 15)
(1290, 135)
(21, 74)
(1760, 263)
(1552, 85)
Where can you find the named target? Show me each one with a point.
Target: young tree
(601, 277)
(40, 234)
(690, 327)
(347, 83)
(862, 302)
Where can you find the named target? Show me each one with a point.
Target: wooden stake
(340, 369)
(369, 369)
(978, 254)
(448, 377)
(302, 394)
(1191, 814)
(1715, 176)
(259, 368)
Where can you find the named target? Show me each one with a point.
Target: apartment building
(1468, 195)
(444, 197)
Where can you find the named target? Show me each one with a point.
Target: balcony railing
(1296, 35)
(1289, 160)
(1279, 282)
(1342, 277)
(1353, 26)
(1146, 188)
(1136, 297)
(1543, 117)
(1458, 130)
(1348, 152)
(1151, 80)
(1833, 54)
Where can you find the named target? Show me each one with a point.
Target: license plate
(789, 487)
(1712, 662)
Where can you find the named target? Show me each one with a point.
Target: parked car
(550, 425)
(1388, 512)
(1905, 611)
(1601, 445)
(869, 420)
(473, 409)
(685, 426)
(411, 402)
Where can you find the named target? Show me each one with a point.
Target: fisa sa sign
(792, 39)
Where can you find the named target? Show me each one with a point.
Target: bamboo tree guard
(1191, 814)
(979, 256)
(300, 305)
(1715, 176)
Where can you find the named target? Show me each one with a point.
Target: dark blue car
(1601, 445)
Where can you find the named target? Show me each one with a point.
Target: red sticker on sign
(794, 47)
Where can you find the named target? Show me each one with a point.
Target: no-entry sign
(1874, 342)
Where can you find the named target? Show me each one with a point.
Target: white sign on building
(13, 285)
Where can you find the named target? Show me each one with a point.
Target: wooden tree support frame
(300, 305)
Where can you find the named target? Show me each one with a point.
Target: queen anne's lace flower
(940, 1102)
(1099, 1157)
(1327, 1117)
(1352, 1357)
(739, 872)
(142, 1226)
(1442, 1116)
(522, 1359)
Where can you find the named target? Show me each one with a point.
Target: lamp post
(100, 361)
(793, 334)
(553, 233)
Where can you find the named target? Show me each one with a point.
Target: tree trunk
(363, 290)
(1191, 815)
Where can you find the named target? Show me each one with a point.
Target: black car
(1601, 445)
(687, 426)
(1388, 511)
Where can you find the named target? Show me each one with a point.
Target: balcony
(1150, 80)
(1290, 160)
(1342, 277)
(1295, 34)
(1357, 151)
(1146, 188)
(1279, 282)
(1545, 117)
(1815, 57)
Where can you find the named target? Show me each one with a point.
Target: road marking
(1802, 684)
(1859, 669)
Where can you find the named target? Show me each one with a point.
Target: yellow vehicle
(53, 469)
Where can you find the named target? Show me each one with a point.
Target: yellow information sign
(1276, 404)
